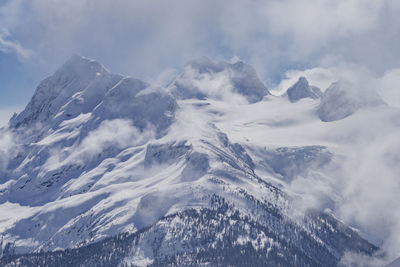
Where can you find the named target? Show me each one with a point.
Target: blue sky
(147, 39)
(16, 79)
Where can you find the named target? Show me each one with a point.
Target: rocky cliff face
(301, 89)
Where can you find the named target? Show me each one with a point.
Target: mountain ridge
(115, 154)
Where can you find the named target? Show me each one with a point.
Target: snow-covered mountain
(339, 101)
(202, 79)
(301, 89)
(199, 173)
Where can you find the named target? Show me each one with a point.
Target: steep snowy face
(76, 87)
(78, 117)
(287, 163)
(203, 79)
(84, 86)
(340, 100)
(301, 89)
(147, 106)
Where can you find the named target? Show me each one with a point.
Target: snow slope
(96, 154)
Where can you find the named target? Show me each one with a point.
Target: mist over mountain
(100, 169)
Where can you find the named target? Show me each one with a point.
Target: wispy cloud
(8, 45)
(113, 134)
(389, 87)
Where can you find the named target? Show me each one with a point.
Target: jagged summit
(301, 89)
(202, 78)
(76, 75)
(82, 67)
(205, 65)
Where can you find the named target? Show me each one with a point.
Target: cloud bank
(144, 38)
(361, 184)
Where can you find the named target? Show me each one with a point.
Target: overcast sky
(150, 39)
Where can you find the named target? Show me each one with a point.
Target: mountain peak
(342, 99)
(302, 89)
(82, 66)
(76, 74)
(84, 86)
(204, 65)
(202, 78)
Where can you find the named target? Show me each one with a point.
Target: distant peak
(82, 65)
(201, 60)
(302, 79)
(76, 57)
(204, 65)
(343, 99)
(240, 76)
(301, 82)
(301, 89)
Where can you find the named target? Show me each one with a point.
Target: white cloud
(360, 260)
(319, 77)
(389, 87)
(214, 85)
(165, 77)
(361, 185)
(144, 38)
(115, 134)
(6, 114)
(7, 45)
(6, 142)
(311, 22)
